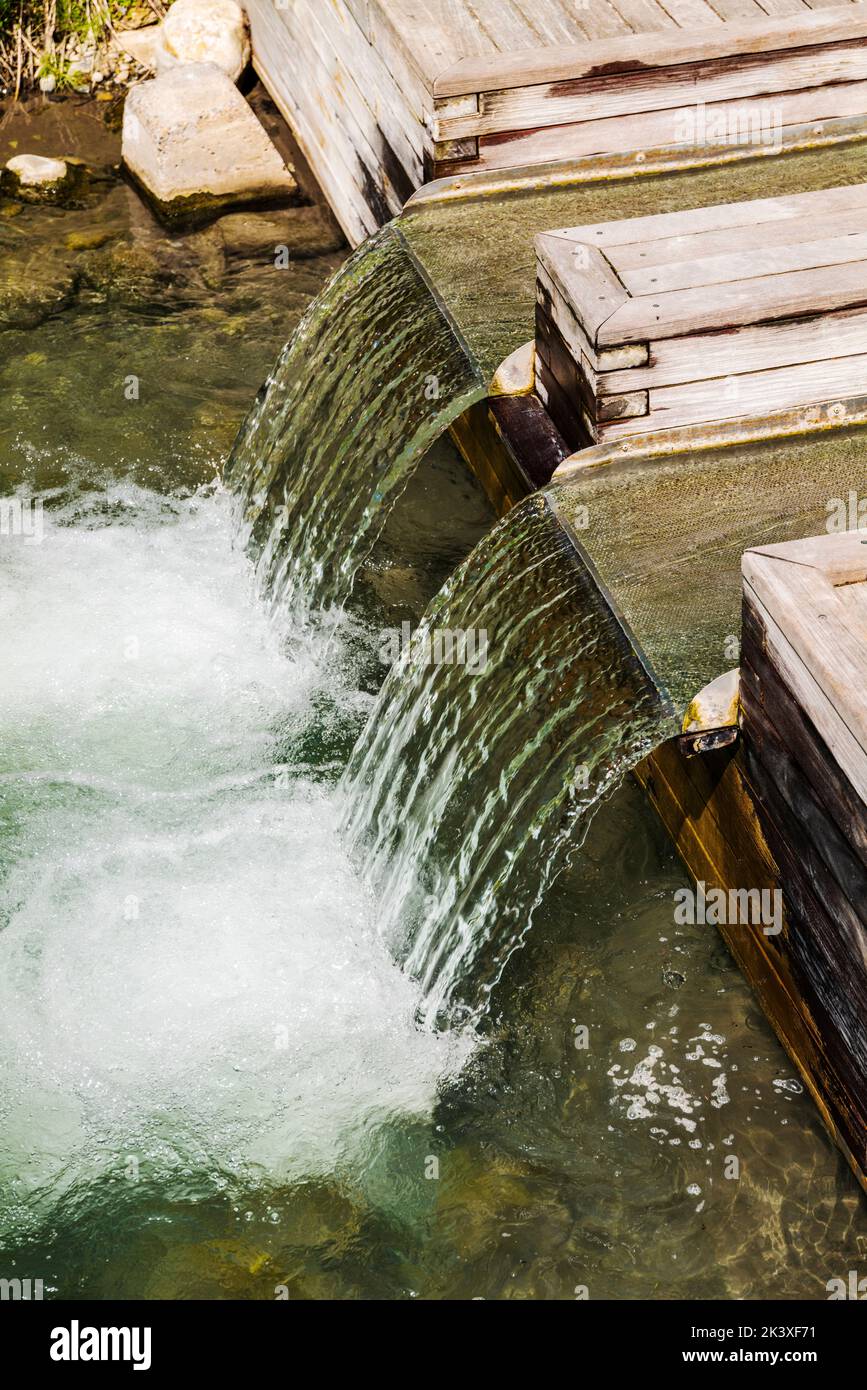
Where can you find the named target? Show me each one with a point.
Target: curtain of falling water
(467, 783)
(373, 374)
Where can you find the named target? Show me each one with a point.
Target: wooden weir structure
(386, 95)
(657, 336)
(711, 314)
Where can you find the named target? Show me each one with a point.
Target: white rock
(35, 171)
(141, 44)
(205, 31)
(190, 134)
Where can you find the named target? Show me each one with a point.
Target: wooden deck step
(385, 94)
(698, 317)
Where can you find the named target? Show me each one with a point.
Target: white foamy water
(191, 981)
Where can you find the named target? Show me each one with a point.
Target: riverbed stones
(194, 145)
(34, 178)
(205, 31)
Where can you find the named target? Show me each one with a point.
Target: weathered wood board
(804, 715)
(698, 317)
(385, 94)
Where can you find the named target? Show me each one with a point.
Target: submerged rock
(297, 233)
(32, 287)
(194, 145)
(204, 31)
(127, 272)
(33, 178)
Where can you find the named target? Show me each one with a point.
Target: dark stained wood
(812, 818)
(761, 689)
(512, 445)
(533, 439)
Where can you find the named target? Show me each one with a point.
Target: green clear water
(213, 1081)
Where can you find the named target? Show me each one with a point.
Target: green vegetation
(44, 39)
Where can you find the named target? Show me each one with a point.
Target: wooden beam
(641, 52)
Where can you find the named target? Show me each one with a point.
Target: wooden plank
(552, 23)
(853, 598)
(668, 250)
(438, 33)
(814, 852)
(750, 123)
(534, 66)
(645, 17)
(734, 11)
(585, 279)
(767, 297)
(556, 362)
(625, 407)
(694, 14)
(534, 108)
(601, 20)
(508, 28)
(555, 365)
(570, 420)
(342, 132)
(821, 663)
(331, 159)
(777, 8)
(819, 873)
(831, 785)
(838, 557)
(742, 266)
(753, 393)
(710, 813)
(719, 216)
(557, 23)
(400, 57)
(716, 356)
(361, 83)
(353, 121)
(360, 11)
(823, 876)
(554, 311)
(830, 988)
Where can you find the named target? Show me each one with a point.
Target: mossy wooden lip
(850, 413)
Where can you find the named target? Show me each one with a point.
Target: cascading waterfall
(519, 700)
(516, 706)
(375, 372)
